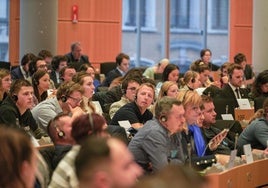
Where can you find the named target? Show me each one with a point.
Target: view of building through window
(4, 29)
(193, 25)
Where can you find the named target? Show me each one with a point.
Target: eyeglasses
(75, 99)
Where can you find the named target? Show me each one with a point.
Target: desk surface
(244, 176)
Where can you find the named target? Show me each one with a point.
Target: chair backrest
(106, 67)
(258, 103)
(223, 106)
(5, 65)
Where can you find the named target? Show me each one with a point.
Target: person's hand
(225, 79)
(265, 152)
(76, 112)
(216, 83)
(216, 140)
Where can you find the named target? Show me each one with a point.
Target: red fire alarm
(74, 13)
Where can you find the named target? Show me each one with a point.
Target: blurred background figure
(17, 158)
(22, 71)
(174, 176)
(5, 83)
(156, 69)
(58, 62)
(75, 57)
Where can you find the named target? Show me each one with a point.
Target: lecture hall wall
(99, 28)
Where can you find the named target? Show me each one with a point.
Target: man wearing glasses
(67, 100)
(129, 87)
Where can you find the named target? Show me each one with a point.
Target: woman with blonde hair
(190, 81)
(168, 88)
(5, 83)
(86, 81)
(191, 101)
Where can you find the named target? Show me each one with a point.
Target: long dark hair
(35, 82)
(169, 68)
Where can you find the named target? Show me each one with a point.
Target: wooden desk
(244, 176)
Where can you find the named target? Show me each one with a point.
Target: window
(147, 14)
(4, 12)
(185, 14)
(218, 15)
(180, 14)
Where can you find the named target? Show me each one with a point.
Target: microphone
(226, 109)
(236, 139)
(189, 148)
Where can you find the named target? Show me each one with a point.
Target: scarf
(198, 139)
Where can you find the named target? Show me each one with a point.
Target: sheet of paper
(231, 162)
(227, 117)
(125, 123)
(200, 90)
(248, 153)
(243, 103)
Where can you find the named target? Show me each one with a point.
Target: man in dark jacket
(75, 57)
(15, 109)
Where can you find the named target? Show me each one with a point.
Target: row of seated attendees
(170, 122)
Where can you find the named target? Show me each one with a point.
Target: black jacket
(10, 114)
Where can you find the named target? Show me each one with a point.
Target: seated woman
(17, 158)
(170, 73)
(169, 89)
(5, 83)
(137, 112)
(205, 73)
(90, 70)
(192, 135)
(190, 81)
(86, 81)
(41, 83)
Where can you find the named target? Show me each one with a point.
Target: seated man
(66, 74)
(122, 62)
(209, 130)
(75, 57)
(106, 163)
(156, 144)
(256, 133)
(137, 112)
(59, 129)
(67, 100)
(129, 87)
(15, 109)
